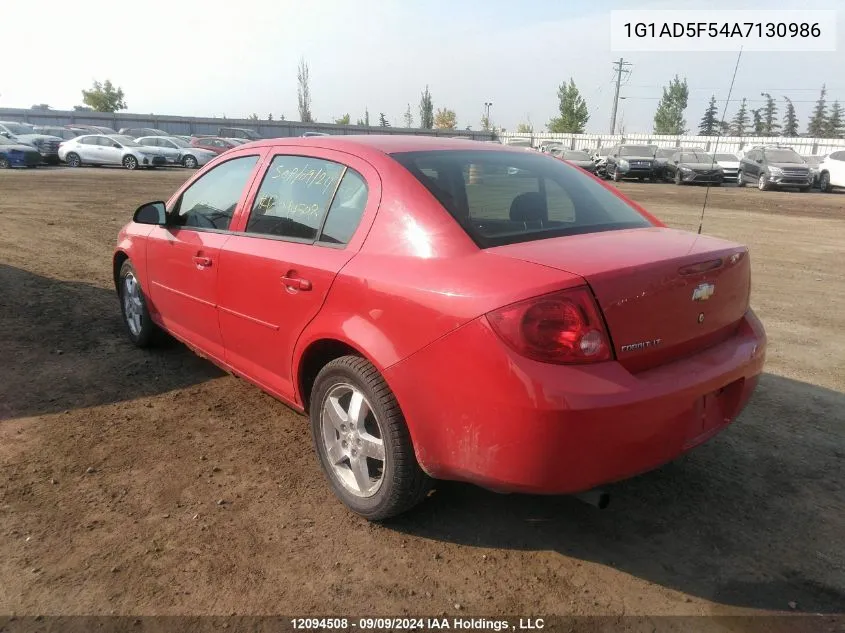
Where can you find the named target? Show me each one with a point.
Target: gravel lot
(136, 482)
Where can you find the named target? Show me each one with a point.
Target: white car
(176, 151)
(729, 164)
(112, 149)
(832, 171)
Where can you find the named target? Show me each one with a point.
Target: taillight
(564, 327)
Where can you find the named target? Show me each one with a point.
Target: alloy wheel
(133, 308)
(352, 438)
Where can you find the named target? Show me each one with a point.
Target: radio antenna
(719, 136)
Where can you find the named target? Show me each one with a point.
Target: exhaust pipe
(597, 498)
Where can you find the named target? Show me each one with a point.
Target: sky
(234, 58)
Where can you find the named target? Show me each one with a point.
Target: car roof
(384, 143)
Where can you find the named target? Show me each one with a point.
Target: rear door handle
(295, 283)
(202, 262)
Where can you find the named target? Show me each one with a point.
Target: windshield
(783, 156)
(19, 128)
(522, 196)
(727, 158)
(178, 141)
(124, 140)
(695, 157)
(665, 152)
(637, 150)
(576, 155)
(812, 160)
(6, 141)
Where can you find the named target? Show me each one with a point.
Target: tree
(408, 117)
(759, 126)
(770, 125)
(485, 122)
(525, 128)
(270, 117)
(669, 117)
(426, 110)
(817, 124)
(790, 119)
(382, 120)
(303, 92)
(104, 97)
(835, 123)
(445, 119)
(709, 125)
(344, 120)
(573, 110)
(739, 124)
(40, 106)
(252, 117)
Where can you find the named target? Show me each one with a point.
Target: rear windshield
(504, 197)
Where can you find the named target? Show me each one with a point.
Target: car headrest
(529, 207)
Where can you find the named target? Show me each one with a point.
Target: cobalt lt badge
(703, 292)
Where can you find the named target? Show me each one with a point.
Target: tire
(190, 162)
(133, 307)
(824, 182)
(762, 183)
(376, 493)
(678, 180)
(616, 176)
(4, 163)
(130, 162)
(73, 160)
(739, 181)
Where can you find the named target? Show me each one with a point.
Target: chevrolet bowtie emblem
(703, 292)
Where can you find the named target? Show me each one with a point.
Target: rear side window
(210, 202)
(503, 197)
(308, 199)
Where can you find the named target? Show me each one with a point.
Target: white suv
(832, 171)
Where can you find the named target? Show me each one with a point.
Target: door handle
(295, 283)
(202, 262)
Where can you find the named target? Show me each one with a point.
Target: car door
(110, 150)
(182, 257)
(303, 224)
(836, 168)
(170, 150)
(752, 167)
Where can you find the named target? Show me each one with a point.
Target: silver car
(177, 151)
(112, 149)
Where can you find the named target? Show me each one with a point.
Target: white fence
(726, 144)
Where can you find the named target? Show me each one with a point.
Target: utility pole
(487, 106)
(619, 67)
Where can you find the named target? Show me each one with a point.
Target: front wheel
(190, 162)
(616, 175)
(762, 183)
(130, 162)
(678, 180)
(362, 441)
(739, 181)
(824, 182)
(73, 160)
(4, 163)
(133, 306)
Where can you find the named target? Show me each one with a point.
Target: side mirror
(677, 161)
(117, 146)
(151, 213)
(760, 161)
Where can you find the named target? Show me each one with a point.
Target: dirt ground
(114, 461)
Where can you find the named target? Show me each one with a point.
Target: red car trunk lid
(664, 293)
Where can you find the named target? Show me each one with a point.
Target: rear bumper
(478, 412)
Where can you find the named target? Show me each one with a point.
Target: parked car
(600, 160)
(577, 157)
(694, 167)
(177, 151)
(92, 129)
(813, 163)
(832, 171)
(25, 134)
(57, 131)
(662, 156)
(238, 132)
(307, 134)
(238, 141)
(14, 154)
(137, 132)
(631, 161)
(213, 143)
(541, 334)
(100, 149)
(729, 164)
(773, 166)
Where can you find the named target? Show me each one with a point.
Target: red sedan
(213, 143)
(448, 309)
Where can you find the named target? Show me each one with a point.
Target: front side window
(294, 197)
(503, 197)
(210, 202)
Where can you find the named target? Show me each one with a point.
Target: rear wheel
(130, 162)
(824, 182)
(73, 160)
(362, 440)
